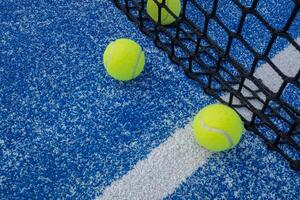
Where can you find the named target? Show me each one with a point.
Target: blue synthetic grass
(67, 130)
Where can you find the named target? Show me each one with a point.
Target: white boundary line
(165, 168)
(173, 161)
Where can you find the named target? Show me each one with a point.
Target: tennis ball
(218, 127)
(124, 59)
(166, 17)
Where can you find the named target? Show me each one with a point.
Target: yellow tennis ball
(124, 59)
(218, 127)
(166, 17)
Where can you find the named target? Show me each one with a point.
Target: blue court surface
(68, 130)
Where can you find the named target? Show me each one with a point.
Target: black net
(207, 39)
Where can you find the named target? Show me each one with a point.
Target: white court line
(165, 168)
(288, 62)
(173, 161)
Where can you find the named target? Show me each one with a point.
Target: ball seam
(215, 130)
(137, 63)
(110, 55)
(167, 15)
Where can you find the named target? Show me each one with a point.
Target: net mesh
(230, 49)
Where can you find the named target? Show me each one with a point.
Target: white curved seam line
(137, 63)
(110, 54)
(219, 131)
